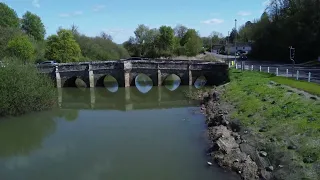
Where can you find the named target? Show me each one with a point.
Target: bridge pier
(58, 78)
(190, 75)
(91, 76)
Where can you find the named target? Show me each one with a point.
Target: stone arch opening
(200, 82)
(75, 82)
(143, 83)
(109, 82)
(172, 82)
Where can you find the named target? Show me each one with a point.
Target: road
(285, 70)
(282, 68)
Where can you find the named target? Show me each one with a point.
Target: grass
(271, 111)
(309, 87)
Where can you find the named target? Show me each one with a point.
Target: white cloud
(36, 3)
(75, 13)
(244, 13)
(213, 21)
(98, 7)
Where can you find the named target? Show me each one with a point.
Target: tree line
(285, 23)
(24, 39)
(166, 41)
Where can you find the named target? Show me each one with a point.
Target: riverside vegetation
(24, 90)
(279, 126)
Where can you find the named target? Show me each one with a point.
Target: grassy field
(309, 87)
(287, 121)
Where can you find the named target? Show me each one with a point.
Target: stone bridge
(125, 71)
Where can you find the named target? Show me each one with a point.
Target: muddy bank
(232, 146)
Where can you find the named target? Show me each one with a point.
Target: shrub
(23, 89)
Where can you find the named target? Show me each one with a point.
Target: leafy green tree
(180, 31)
(8, 17)
(21, 48)
(166, 40)
(193, 45)
(32, 25)
(7, 34)
(189, 33)
(63, 47)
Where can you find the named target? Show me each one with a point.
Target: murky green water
(100, 134)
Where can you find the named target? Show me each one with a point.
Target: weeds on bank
(275, 112)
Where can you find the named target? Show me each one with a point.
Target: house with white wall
(231, 48)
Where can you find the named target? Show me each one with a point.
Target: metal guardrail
(298, 73)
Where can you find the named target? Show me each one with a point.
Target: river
(138, 133)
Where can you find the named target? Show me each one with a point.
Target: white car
(44, 63)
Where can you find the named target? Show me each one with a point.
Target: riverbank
(262, 129)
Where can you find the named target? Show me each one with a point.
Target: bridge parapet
(125, 71)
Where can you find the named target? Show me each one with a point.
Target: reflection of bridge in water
(124, 99)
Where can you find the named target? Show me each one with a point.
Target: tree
(21, 48)
(166, 40)
(180, 31)
(8, 17)
(193, 46)
(63, 47)
(189, 33)
(32, 25)
(104, 35)
(7, 34)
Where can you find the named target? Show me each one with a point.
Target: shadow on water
(22, 135)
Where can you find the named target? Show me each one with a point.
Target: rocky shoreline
(231, 145)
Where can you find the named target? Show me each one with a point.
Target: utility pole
(228, 47)
(235, 40)
(292, 53)
(211, 43)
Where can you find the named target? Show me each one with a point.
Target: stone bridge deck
(125, 71)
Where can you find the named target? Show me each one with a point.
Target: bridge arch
(172, 82)
(200, 81)
(75, 81)
(143, 83)
(107, 81)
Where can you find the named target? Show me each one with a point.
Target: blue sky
(119, 18)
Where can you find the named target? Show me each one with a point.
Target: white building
(243, 47)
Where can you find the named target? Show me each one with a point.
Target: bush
(24, 90)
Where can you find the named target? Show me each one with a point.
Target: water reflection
(111, 83)
(172, 82)
(123, 99)
(143, 83)
(200, 82)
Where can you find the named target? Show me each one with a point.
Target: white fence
(298, 73)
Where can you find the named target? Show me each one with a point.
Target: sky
(120, 18)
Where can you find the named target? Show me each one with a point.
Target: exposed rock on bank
(228, 147)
